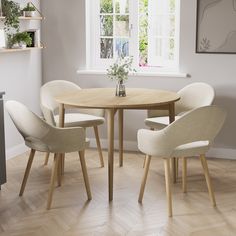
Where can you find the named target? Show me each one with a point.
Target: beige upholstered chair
(40, 136)
(192, 96)
(85, 118)
(191, 135)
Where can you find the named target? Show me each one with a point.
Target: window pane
(122, 25)
(143, 40)
(158, 47)
(171, 49)
(106, 47)
(172, 26)
(172, 6)
(122, 47)
(106, 6)
(143, 6)
(106, 25)
(122, 6)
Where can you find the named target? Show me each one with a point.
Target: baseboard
(222, 153)
(16, 151)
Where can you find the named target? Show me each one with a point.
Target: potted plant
(20, 40)
(11, 11)
(119, 71)
(29, 10)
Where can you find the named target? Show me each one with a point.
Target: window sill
(138, 74)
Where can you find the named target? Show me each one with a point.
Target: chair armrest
(154, 143)
(63, 140)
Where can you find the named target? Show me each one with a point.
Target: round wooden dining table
(104, 98)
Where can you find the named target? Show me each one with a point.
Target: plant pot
(29, 13)
(22, 45)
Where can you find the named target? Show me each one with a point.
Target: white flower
(121, 69)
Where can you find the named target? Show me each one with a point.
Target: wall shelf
(7, 50)
(26, 18)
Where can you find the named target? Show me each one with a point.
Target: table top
(105, 98)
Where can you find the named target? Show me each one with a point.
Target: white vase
(29, 13)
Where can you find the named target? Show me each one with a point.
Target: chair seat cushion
(80, 119)
(38, 145)
(158, 122)
(191, 149)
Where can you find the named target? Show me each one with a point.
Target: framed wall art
(216, 26)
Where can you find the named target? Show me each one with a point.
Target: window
(148, 30)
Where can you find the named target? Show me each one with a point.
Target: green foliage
(107, 23)
(121, 69)
(143, 32)
(106, 6)
(29, 7)
(122, 18)
(22, 37)
(11, 11)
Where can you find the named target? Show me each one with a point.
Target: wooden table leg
(121, 118)
(61, 124)
(173, 160)
(110, 137)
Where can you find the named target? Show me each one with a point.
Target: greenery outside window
(148, 30)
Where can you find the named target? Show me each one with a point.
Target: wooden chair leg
(98, 145)
(62, 164)
(147, 165)
(184, 175)
(145, 158)
(27, 171)
(208, 179)
(168, 185)
(59, 171)
(176, 168)
(46, 158)
(144, 161)
(85, 174)
(53, 179)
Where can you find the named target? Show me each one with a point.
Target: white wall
(20, 78)
(64, 34)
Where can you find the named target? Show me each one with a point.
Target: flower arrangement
(120, 69)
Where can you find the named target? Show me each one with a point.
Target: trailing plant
(11, 11)
(29, 7)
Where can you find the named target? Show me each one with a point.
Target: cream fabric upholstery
(83, 120)
(192, 96)
(41, 136)
(192, 134)
(159, 122)
(49, 106)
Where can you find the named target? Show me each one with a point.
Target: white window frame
(93, 60)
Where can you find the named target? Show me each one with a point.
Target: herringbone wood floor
(72, 215)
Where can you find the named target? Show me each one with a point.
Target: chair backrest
(191, 96)
(55, 88)
(27, 123)
(200, 124)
